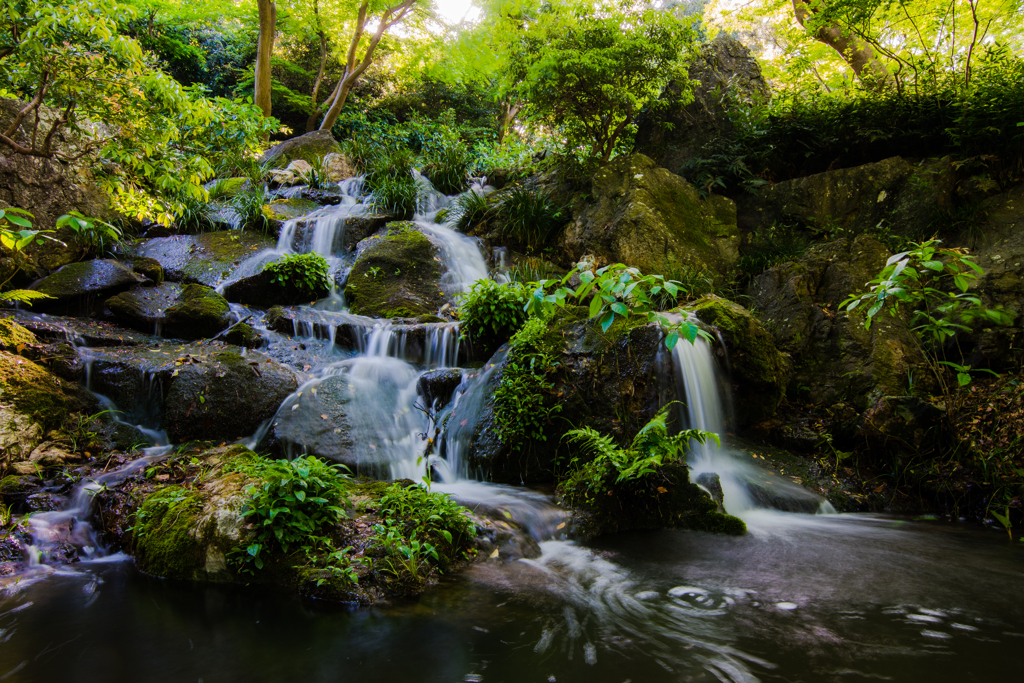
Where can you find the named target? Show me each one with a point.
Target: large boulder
(262, 289)
(758, 371)
(899, 196)
(206, 259)
(32, 402)
(648, 217)
(80, 285)
(316, 423)
(396, 275)
(279, 211)
(195, 391)
(725, 75)
(183, 311)
(307, 147)
(47, 187)
(834, 358)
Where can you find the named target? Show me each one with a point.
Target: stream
(806, 595)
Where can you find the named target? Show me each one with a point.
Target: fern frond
(654, 431)
(23, 296)
(592, 441)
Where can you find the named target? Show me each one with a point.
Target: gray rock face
(834, 358)
(261, 290)
(726, 75)
(81, 283)
(145, 308)
(194, 391)
(904, 197)
(647, 217)
(315, 423)
(206, 259)
(306, 147)
(48, 188)
(437, 386)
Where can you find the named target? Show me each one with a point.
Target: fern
(23, 296)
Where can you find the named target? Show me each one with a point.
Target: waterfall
(745, 486)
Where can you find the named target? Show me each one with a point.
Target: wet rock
(834, 357)
(261, 289)
(307, 147)
(437, 386)
(647, 217)
(281, 210)
(200, 312)
(904, 426)
(901, 196)
(725, 75)
(396, 275)
(194, 391)
(82, 284)
(339, 167)
(353, 230)
(44, 502)
(13, 336)
(758, 371)
(91, 333)
(145, 308)
(206, 259)
(316, 423)
(245, 335)
(149, 268)
(711, 483)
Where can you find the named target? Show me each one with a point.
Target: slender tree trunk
(509, 111)
(264, 50)
(855, 51)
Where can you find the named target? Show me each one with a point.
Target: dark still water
(800, 598)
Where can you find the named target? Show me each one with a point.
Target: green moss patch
(165, 542)
(396, 275)
(33, 391)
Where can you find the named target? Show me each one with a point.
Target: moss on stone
(12, 335)
(202, 312)
(35, 392)
(243, 335)
(281, 210)
(396, 275)
(12, 484)
(164, 537)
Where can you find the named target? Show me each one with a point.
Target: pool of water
(799, 598)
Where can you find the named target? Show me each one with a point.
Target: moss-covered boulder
(396, 275)
(208, 391)
(82, 284)
(145, 308)
(664, 500)
(758, 370)
(834, 358)
(650, 218)
(264, 289)
(206, 259)
(32, 402)
(307, 147)
(13, 335)
(200, 312)
(281, 210)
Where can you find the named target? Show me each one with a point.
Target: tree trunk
(264, 50)
(855, 51)
(315, 114)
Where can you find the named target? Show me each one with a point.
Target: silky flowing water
(801, 597)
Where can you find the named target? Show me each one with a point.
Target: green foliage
(520, 413)
(293, 501)
(771, 246)
(615, 290)
(412, 513)
(248, 204)
(390, 181)
(15, 234)
(317, 177)
(912, 289)
(309, 273)
(605, 464)
(589, 71)
(446, 158)
(466, 210)
(491, 312)
(97, 236)
(531, 216)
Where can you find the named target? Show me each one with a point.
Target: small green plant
(248, 204)
(911, 289)
(96, 235)
(16, 233)
(531, 216)
(226, 188)
(466, 210)
(532, 269)
(434, 516)
(390, 180)
(318, 176)
(309, 273)
(607, 464)
(616, 290)
(520, 413)
(491, 312)
(447, 165)
(403, 555)
(190, 215)
(293, 501)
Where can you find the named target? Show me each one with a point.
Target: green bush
(248, 204)
(520, 412)
(309, 273)
(491, 312)
(95, 235)
(447, 166)
(293, 502)
(531, 216)
(423, 521)
(388, 177)
(466, 210)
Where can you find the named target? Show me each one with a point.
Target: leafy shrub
(609, 465)
(412, 513)
(309, 273)
(317, 177)
(14, 239)
(190, 213)
(491, 313)
(389, 177)
(96, 235)
(295, 500)
(466, 210)
(531, 216)
(520, 412)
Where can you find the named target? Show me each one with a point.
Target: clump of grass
(531, 216)
(467, 210)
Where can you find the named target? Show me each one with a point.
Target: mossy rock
(396, 275)
(82, 283)
(13, 335)
(143, 308)
(207, 259)
(759, 371)
(244, 335)
(665, 500)
(34, 392)
(263, 289)
(164, 537)
(647, 217)
(306, 147)
(149, 268)
(281, 210)
(201, 312)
